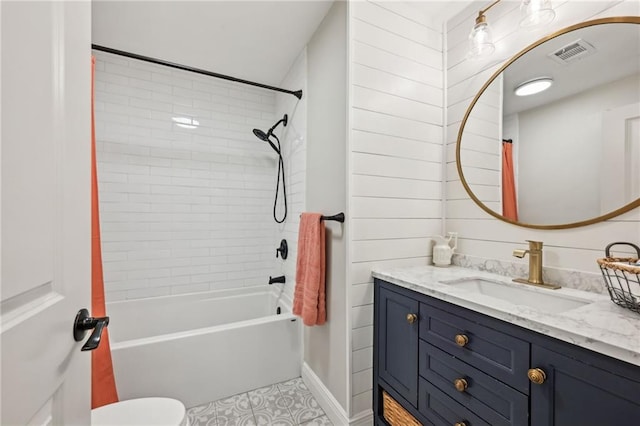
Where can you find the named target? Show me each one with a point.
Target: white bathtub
(204, 346)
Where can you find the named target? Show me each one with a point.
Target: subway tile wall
(294, 150)
(182, 209)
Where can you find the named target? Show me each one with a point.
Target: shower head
(261, 135)
(265, 136)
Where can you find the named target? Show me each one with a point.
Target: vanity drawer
(442, 410)
(487, 397)
(498, 354)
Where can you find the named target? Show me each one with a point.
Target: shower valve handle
(84, 322)
(283, 250)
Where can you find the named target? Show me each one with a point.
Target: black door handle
(84, 322)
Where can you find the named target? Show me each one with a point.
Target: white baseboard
(365, 418)
(330, 405)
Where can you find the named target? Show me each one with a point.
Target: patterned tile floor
(283, 404)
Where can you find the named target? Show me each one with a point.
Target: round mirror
(552, 140)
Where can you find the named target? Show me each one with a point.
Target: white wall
(395, 156)
(481, 148)
(569, 149)
(294, 148)
(325, 346)
(182, 210)
(480, 234)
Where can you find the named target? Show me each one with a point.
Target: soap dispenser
(442, 250)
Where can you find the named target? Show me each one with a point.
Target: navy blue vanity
(448, 365)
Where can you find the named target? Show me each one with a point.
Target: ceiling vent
(574, 51)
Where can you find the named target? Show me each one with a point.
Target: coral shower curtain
(103, 384)
(509, 204)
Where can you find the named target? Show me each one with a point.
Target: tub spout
(277, 280)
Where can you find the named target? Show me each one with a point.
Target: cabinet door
(398, 343)
(575, 393)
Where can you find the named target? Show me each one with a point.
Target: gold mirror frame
(632, 205)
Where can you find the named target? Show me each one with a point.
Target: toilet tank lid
(141, 411)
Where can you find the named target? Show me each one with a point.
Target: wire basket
(622, 277)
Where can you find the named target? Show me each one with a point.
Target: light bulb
(536, 13)
(480, 39)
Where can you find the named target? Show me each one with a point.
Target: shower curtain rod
(297, 93)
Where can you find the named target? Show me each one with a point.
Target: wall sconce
(533, 13)
(480, 39)
(536, 13)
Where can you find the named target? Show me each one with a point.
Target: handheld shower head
(265, 136)
(261, 135)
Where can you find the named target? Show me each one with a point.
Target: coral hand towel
(309, 296)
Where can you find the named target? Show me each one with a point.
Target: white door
(45, 211)
(620, 176)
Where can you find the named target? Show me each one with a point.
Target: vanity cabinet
(577, 393)
(452, 366)
(398, 357)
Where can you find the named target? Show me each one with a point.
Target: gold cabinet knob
(461, 340)
(411, 318)
(460, 384)
(460, 424)
(537, 376)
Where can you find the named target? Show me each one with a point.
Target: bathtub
(201, 347)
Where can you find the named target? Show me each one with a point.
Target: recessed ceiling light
(186, 122)
(534, 86)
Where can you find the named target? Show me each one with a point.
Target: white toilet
(141, 411)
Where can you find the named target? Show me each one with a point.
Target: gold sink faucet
(535, 265)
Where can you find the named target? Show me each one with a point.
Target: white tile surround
(294, 149)
(182, 210)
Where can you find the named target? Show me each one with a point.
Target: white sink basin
(545, 300)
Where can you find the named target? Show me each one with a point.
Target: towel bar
(336, 217)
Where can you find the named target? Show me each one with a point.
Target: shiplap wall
(481, 148)
(480, 234)
(294, 150)
(396, 152)
(182, 210)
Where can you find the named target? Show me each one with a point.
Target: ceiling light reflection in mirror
(533, 87)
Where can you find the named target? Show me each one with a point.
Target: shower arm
(282, 120)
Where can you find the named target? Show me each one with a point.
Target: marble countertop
(599, 325)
